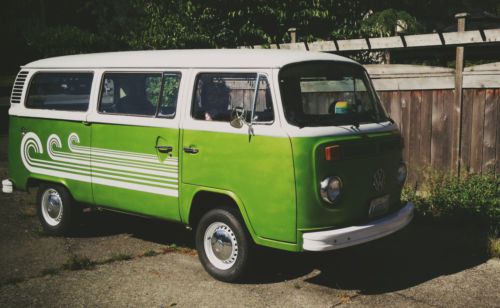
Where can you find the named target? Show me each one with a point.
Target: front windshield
(327, 93)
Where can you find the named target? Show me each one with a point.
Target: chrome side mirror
(239, 114)
(237, 119)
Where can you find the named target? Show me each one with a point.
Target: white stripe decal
(116, 161)
(61, 166)
(145, 172)
(73, 139)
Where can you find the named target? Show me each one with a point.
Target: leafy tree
(383, 23)
(64, 40)
(41, 28)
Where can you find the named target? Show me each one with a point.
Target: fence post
(458, 101)
(293, 35)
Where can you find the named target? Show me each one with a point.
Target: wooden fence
(421, 101)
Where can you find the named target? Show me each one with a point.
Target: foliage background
(33, 29)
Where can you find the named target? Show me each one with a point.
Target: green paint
(355, 170)
(81, 191)
(136, 139)
(259, 170)
(273, 180)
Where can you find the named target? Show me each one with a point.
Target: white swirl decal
(127, 170)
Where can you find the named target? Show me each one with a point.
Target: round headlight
(331, 188)
(402, 173)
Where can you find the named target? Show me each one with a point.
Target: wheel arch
(35, 182)
(205, 199)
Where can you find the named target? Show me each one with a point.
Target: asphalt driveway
(118, 260)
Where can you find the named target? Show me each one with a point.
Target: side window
(130, 93)
(216, 94)
(60, 91)
(139, 94)
(168, 103)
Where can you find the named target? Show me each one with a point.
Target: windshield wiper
(355, 119)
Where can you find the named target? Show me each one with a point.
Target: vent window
(17, 89)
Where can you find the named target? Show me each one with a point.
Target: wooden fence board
(405, 122)
(395, 101)
(385, 98)
(450, 131)
(468, 100)
(497, 92)
(489, 138)
(439, 122)
(414, 140)
(476, 155)
(425, 128)
(430, 122)
(425, 119)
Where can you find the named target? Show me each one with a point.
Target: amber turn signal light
(332, 153)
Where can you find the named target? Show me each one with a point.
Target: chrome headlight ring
(331, 189)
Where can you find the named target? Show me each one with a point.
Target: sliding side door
(135, 143)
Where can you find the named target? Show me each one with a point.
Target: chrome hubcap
(52, 208)
(221, 245)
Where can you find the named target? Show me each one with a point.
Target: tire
(223, 262)
(55, 208)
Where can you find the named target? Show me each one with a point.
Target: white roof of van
(195, 58)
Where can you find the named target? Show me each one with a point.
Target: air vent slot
(17, 89)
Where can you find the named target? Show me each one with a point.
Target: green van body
(273, 179)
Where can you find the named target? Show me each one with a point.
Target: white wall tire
(220, 245)
(223, 244)
(51, 207)
(54, 208)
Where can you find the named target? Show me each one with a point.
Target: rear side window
(143, 94)
(60, 91)
(216, 94)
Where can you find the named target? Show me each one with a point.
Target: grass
(116, 258)
(494, 247)
(51, 271)
(76, 263)
(14, 280)
(150, 253)
(174, 248)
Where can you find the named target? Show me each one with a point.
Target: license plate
(379, 206)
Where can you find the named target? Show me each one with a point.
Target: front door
(253, 163)
(135, 144)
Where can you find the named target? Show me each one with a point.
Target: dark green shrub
(64, 40)
(466, 200)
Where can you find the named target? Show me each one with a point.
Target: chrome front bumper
(350, 236)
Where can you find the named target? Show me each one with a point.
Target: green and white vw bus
(285, 149)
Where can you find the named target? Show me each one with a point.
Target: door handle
(191, 150)
(164, 148)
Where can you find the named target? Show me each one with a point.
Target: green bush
(465, 200)
(63, 40)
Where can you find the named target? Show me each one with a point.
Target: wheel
(223, 244)
(54, 208)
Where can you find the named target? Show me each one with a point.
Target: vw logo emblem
(378, 179)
